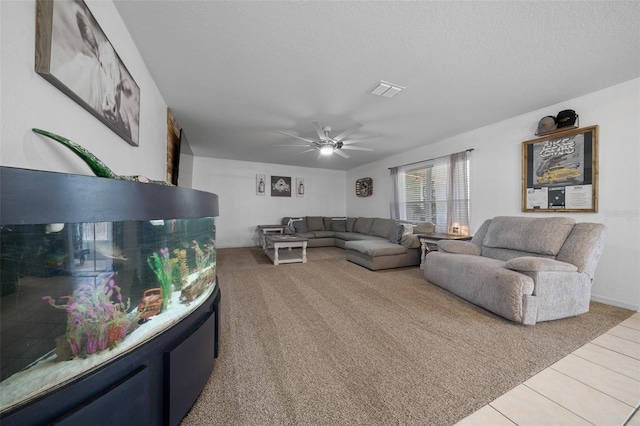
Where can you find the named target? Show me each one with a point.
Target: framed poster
(73, 53)
(280, 186)
(560, 172)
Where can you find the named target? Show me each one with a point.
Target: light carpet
(332, 343)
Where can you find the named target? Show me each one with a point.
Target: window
(435, 191)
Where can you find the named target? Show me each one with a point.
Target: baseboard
(613, 302)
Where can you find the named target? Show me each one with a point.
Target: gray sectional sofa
(374, 243)
(524, 269)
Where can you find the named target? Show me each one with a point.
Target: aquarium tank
(77, 292)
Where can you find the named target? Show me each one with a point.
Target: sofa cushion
(536, 264)
(375, 248)
(339, 225)
(350, 222)
(300, 226)
(315, 223)
(381, 227)
(307, 235)
(533, 235)
(459, 247)
(354, 236)
(323, 234)
(395, 235)
(363, 225)
(410, 241)
(327, 223)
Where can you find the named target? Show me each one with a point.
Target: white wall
(241, 210)
(28, 101)
(496, 180)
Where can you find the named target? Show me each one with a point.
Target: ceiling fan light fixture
(326, 150)
(386, 90)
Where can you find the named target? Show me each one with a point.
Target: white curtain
(458, 194)
(394, 204)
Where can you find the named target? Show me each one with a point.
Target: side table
(426, 239)
(269, 229)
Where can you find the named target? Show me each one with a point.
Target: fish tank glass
(74, 296)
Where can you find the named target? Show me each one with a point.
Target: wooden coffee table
(272, 243)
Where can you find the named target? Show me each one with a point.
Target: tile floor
(598, 384)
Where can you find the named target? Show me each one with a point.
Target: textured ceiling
(234, 73)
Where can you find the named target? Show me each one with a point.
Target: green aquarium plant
(95, 321)
(162, 265)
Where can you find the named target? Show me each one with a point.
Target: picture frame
(261, 184)
(560, 172)
(74, 54)
(280, 186)
(300, 188)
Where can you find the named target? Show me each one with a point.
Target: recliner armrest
(538, 264)
(459, 247)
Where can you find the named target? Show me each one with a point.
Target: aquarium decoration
(151, 304)
(95, 164)
(197, 287)
(94, 321)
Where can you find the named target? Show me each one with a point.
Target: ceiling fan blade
(307, 150)
(348, 132)
(365, 139)
(341, 154)
(307, 145)
(320, 132)
(357, 148)
(297, 137)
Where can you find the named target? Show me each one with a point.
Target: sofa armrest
(538, 264)
(459, 247)
(410, 241)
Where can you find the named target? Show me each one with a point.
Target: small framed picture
(280, 186)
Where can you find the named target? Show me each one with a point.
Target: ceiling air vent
(386, 90)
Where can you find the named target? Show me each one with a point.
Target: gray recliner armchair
(524, 269)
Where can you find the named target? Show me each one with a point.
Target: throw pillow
(290, 229)
(300, 226)
(339, 225)
(396, 232)
(315, 223)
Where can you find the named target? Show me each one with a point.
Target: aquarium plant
(95, 322)
(163, 266)
(206, 257)
(180, 272)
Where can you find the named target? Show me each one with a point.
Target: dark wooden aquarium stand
(156, 382)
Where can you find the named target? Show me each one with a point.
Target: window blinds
(435, 191)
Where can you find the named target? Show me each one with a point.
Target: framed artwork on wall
(280, 186)
(560, 172)
(73, 53)
(261, 185)
(300, 187)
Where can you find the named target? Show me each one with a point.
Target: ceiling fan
(327, 144)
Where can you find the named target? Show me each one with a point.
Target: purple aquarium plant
(96, 316)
